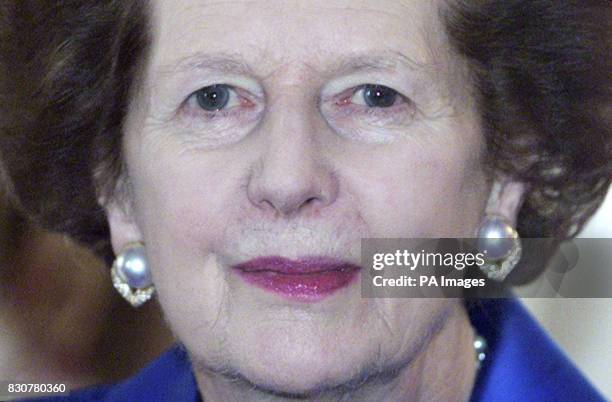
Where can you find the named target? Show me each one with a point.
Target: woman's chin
(300, 371)
(307, 357)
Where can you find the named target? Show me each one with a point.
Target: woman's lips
(306, 279)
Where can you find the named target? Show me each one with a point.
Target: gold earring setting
(501, 245)
(131, 275)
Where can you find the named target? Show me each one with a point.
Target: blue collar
(523, 364)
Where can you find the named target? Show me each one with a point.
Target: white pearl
(132, 267)
(480, 348)
(497, 237)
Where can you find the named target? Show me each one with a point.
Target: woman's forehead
(323, 36)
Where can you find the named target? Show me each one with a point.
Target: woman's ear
(506, 198)
(122, 224)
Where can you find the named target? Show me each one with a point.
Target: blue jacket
(522, 365)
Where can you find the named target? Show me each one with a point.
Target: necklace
(480, 349)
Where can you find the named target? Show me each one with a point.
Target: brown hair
(541, 69)
(12, 226)
(66, 74)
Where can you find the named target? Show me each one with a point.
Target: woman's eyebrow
(381, 60)
(233, 63)
(220, 62)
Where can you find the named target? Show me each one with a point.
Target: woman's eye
(372, 95)
(219, 103)
(216, 97)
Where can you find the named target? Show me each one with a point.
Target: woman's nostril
(310, 200)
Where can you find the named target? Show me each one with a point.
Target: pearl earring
(131, 275)
(501, 245)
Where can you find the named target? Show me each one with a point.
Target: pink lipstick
(306, 279)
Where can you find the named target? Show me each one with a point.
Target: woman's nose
(293, 174)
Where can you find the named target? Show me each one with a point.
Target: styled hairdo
(67, 70)
(540, 71)
(542, 74)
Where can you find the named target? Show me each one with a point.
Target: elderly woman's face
(291, 130)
